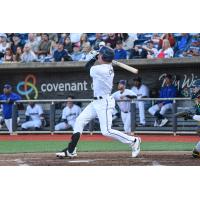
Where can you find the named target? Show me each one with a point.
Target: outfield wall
(57, 80)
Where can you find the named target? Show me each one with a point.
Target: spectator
(69, 115)
(142, 91)
(10, 98)
(158, 110)
(28, 55)
(120, 53)
(182, 44)
(151, 51)
(111, 41)
(32, 41)
(166, 51)
(169, 37)
(83, 39)
(128, 41)
(77, 54)
(18, 56)
(8, 57)
(194, 48)
(44, 46)
(75, 37)
(3, 44)
(68, 45)
(16, 43)
(97, 41)
(34, 117)
(61, 55)
(86, 55)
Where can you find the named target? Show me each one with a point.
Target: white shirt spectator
(28, 57)
(75, 37)
(168, 53)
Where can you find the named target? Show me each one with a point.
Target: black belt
(96, 98)
(126, 112)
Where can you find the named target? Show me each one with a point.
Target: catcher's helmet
(107, 54)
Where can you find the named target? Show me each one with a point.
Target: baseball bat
(126, 67)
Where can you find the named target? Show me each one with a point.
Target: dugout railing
(175, 126)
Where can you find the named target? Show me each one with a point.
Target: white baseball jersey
(102, 76)
(34, 112)
(142, 91)
(123, 105)
(71, 113)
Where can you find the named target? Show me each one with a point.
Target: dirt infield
(101, 159)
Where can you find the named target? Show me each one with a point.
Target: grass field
(89, 146)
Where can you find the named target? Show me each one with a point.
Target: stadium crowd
(60, 47)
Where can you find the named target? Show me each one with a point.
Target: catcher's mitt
(195, 153)
(184, 114)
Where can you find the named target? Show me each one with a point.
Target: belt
(126, 112)
(96, 98)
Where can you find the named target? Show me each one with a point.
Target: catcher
(195, 116)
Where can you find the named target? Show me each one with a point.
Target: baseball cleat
(65, 153)
(136, 147)
(163, 122)
(195, 153)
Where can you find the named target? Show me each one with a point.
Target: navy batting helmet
(107, 54)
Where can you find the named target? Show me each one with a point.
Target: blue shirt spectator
(120, 53)
(10, 98)
(60, 54)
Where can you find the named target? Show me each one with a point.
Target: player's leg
(61, 126)
(154, 111)
(141, 112)
(37, 124)
(163, 110)
(196, 151)
(104, 111)
(84, 118)
(27, 125)
(8, 123)
(127, 123)
(123, 117)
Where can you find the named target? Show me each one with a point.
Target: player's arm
(91, 62)
(64, 116)
(131, 95)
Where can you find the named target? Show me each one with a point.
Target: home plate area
(151, 158)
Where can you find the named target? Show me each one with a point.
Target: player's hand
(160, 105)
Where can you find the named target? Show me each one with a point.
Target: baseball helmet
(107, 54)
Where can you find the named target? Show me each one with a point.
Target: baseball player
(69, 115)
(124, 106)
(10, 97)
(102, 106)
(158, 110)
(141, 91)
(34, 117)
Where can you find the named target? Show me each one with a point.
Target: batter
(102, 106)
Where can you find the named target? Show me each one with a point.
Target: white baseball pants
(103, 109)
(63, 126)
(141, 105)
(32, 124)
(8, 123)
(152, 110)
(126, 119)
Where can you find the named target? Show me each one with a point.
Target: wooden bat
(126, 67)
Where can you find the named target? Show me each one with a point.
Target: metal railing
(52, 111)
